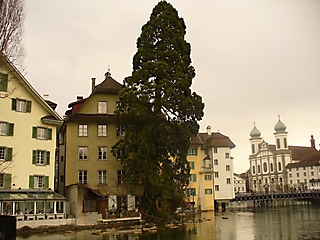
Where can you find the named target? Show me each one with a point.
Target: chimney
(312, 141)
(79, 98)
(46, 96)
(93, 83)
(209, 130)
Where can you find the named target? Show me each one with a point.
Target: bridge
(260, 197)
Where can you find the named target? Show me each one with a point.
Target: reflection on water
(286, 222)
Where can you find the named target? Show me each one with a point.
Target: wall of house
(22, 142)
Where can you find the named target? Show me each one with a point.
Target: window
(191, 165)
(265, 168)
(216, 174)
(1, 180)
(102, 130)
(192, 152)
(304, 168)
(312, 173)
(191, 192)
(291, 182)
(40, 157)
(271, 167)
(215, 150)
(120, 130)
(297, 169)
(285, 142)
(298, 181)
(102, 107)
(19, 105)
(102, 177)
(297, 174)
(278, 143)
(304, 174)
(207, 177)
(279, 166)
(208, 191)
(42, 133)
(83, 130)
(227, 155)
(305, 180)
(6, 129)
(311, 167)
(3, 82)
(38, 181)
(216, 162)
(5, 154)
(253, 170)
(120, 154)
(102, 153)
(290, 174)
(216, 187)
(227, 167)
(252, 148)
(83, 153)
(259, 170)
(228, 181)
(83, 176)
(193, 178)
(120, 176)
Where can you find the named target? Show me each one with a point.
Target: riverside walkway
(277, 196)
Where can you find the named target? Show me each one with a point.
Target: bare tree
(12, 16)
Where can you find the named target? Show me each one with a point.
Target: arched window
(279, 166)
(285, 142)
(259, 169)
(253, 170)
(278, 143)
(265, 168)
(271, 167)
(252, 148)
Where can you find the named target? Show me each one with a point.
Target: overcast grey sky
(254, 59)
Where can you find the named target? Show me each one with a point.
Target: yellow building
(211, 174)
(90, 130)
(28, 127)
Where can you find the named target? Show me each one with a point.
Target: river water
(261, 223)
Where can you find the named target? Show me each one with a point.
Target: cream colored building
(239, 184)
(28, 127)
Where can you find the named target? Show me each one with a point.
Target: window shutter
(8, 154)
(7, 181)
(49, 134)
(31, 181)
(28, 106)
(3, 82)
(10, 129)
(194, 177)
(14, 104)
(48, 157)
(34, 156)
(46, 182)
(34, 132)
(196, 151)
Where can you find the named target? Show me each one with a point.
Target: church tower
(281, 135)
(255, 139)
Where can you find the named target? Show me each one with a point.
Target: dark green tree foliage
(158, 97)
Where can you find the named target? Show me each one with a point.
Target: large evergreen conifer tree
(164, 110)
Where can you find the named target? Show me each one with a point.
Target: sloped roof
(299, 153)
(109, 85)
(312, 159)
(216, 139)
(196, 140)
(29, 87)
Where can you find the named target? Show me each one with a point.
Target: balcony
(206, 169)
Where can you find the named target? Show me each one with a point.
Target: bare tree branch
(12, 14)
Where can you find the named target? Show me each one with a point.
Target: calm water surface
(289, 222)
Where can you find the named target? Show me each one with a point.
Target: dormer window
(102, 107)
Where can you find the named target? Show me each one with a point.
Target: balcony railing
(207, 169)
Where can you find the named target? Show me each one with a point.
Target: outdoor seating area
(31, 205)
